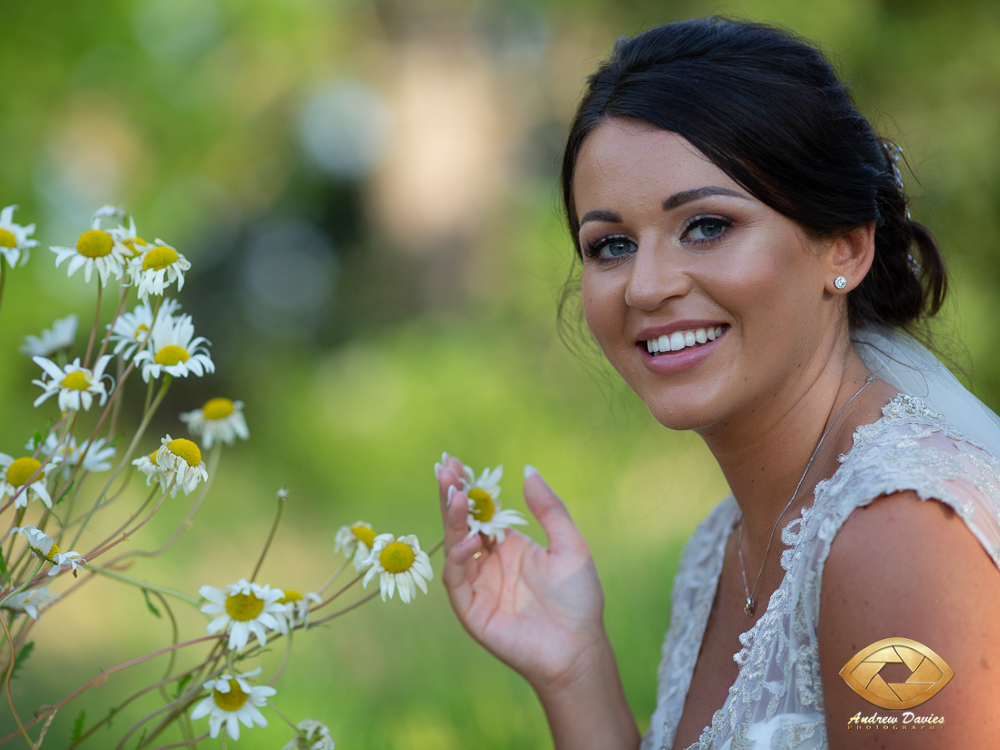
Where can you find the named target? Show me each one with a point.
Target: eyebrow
(675, 200)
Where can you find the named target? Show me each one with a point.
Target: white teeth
(681, 339)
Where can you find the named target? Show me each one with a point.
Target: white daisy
(31, 601)
(356, 540)
(219, 419)
(96, 249)
(147, 465)
(233, 700)
(157, 267)
(176, 460)
(244, 608)
(95, 460)
(399, 563)
(130, 238)
(312, 735)
(17, 471)
(14, 243)
(486, 515)
(44, 547)
(75, 384)
(131, 330)
(60, 336)
(297, 606)
(174, 350)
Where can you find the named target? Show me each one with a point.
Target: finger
(455, 515)
(551, 513)
(460, 570)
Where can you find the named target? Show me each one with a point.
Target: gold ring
(478, 554)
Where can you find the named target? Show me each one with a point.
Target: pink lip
(674, 362)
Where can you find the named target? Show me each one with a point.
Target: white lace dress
(777, 699)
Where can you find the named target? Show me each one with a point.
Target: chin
(689, 416)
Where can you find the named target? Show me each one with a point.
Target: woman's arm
(540, 611)
(902, 567)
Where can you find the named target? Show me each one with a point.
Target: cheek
(603, 300)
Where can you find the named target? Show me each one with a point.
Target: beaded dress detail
(776, 702)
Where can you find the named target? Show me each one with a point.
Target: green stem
(145, 585)
(270, 536)
(128, 455)
(97, 322)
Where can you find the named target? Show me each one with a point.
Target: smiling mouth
(680, 340)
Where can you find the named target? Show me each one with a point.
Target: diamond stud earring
(840, 282)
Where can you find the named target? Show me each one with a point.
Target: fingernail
(451, 491)
(529, 471)
(437, 471)
(444, 457)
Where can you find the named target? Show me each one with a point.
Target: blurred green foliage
(436, 328)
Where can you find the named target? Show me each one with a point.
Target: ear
(850, 256)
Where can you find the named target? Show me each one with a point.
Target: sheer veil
(908, 365)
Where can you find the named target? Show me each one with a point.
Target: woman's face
(679, 258)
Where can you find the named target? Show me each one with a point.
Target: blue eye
(706, 228)
(610, 248)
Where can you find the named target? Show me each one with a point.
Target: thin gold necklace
(751, 605)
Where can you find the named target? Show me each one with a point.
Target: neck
(764, 453)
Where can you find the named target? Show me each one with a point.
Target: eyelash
(593, 248)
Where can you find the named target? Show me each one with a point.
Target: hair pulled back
(768, 109)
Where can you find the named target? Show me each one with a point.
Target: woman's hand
(540, 611)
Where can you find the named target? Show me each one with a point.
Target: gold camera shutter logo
(929, 673)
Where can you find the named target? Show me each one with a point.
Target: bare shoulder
(902, 567)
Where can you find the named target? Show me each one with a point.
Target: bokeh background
(367, 193)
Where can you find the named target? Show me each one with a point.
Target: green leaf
(181, 684)
(149, 604)
(3, 566)
(22, 657)
(141, 740)
(36, 440)
(111, 713)
(78, 726)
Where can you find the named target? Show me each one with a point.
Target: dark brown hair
(769, 110)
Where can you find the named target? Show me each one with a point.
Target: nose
(654, 279)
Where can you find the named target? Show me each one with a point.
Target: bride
(750, 268)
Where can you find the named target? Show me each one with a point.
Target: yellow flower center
(19, 471)
(218, 408)
(364, 534)
(94, 243)
(291, 595)
(243, 607)
(171, 355)
(7, 239)
(138, 331)
(159, 257)
(231, 701)
(132, 244)
(397, 557)
(484, 507)
(152, 458)
(76, 381)
(186, 450)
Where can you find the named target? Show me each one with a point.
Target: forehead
(625, 161)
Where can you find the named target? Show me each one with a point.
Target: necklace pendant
(750, 606)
